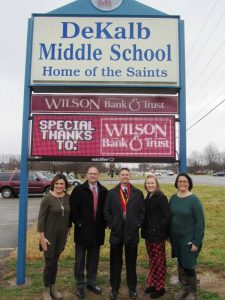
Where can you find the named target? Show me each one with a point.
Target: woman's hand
(193, 247)
(44, 243)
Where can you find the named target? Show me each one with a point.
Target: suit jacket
(88, 231)
(124, 231)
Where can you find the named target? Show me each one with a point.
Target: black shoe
(80, 293)
(157, 294)
(133, 294)
(95, 289)
(149, 290)
(113, 294)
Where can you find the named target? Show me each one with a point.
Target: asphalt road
(9, 209)
(9, 221)
(197, 179)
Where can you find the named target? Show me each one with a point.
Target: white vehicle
(73, 181)
(170, 173)
(157, 173)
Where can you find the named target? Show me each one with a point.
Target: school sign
(104, 81)
(124, 50)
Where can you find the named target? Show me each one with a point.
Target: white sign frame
(98, 50)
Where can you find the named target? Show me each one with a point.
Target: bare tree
(195, 159)
(222, 161)
(211, 154)
(13, 163)
(195, 162)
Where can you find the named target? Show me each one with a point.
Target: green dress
(187, 225)
(54, 223)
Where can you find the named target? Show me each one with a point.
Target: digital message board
(103, 138)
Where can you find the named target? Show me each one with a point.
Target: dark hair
(156, 180)
(124, 169)
(188, 179)
(56, 178)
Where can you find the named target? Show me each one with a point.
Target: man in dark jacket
(86, 207)
(124, 214)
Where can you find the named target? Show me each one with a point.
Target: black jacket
(157, 218)
(88, 232)
(124, 231)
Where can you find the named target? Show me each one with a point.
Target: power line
(211, 33)
(202, 109)
(209, 112)
(207, 92)
(203, 26)
(198, 77)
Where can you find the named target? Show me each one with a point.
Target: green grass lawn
(211, 260)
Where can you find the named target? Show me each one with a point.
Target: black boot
(157, 294)
(192, 288)
(183, 281)
(149, 290)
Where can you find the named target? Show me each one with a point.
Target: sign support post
(183, 144)
(22, 224)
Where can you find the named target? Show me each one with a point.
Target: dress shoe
(80, 293)
(133, 294)
(95, 289)
(149, 290)
(157, 294)
(113, 294)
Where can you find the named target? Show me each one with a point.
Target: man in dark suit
(124, 214)
(86, 207)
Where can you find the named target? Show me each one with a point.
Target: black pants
(90, 257)
(116, 263)
(50, 270)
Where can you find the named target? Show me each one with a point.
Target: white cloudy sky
(205, 67)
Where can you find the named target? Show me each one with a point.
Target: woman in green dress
(186, 234)
(53, 227)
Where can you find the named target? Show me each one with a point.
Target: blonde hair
(156, 180)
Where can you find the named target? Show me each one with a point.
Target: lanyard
(124, 199)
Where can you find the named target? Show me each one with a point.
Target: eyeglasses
(182, 181)
(92, 173)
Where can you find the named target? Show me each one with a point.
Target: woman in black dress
(155, 232)
(53, 227)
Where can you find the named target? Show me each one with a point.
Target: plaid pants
(157, 265)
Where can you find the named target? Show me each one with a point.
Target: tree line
(208, 161)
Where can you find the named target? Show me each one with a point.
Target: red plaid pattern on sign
(94, 136)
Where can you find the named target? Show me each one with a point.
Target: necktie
(95, 198)
(125, 194)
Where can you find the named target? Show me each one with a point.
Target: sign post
(22, 220)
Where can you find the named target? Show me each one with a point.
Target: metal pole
(183, 137)
(22, 226)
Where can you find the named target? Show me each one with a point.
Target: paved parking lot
(197, 179)
(9, 221)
